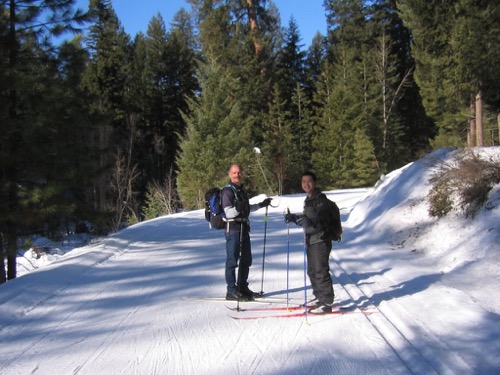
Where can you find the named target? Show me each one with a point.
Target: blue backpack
(214, 213)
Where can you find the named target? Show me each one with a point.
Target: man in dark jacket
(318, 249)
(237, 209)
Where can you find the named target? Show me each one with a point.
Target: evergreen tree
(475, 40)
(157, 134)
(346, 22)
(340, 93)
(413, 129)
(431, 24)
(217, 135)
(279, 149)
(314, 61)
(295, 104)
(365, 167)
(241, 37)
(109, 69)
(182, 82)
(108, 81)
(116, 113)
(290, 65)
(28, 67)
(162, 78)
(302, 136)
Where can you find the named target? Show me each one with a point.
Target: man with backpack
(318, 242)
(237, 208)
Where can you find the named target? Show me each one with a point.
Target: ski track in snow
(399, 335)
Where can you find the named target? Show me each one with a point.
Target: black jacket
(313, 231)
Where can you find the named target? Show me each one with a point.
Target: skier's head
(308, 182)
(235, 174)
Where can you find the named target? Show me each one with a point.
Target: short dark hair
(309, 173)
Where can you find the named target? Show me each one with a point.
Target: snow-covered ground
(426, 292)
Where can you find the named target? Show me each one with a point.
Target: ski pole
(264, 253)
(287, 259)
(239, 267)
(305, 279)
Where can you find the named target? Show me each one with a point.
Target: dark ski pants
(232, 257)
(318, 270)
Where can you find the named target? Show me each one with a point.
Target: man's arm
(227, 200)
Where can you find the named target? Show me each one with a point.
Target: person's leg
(245, 263)
(320, 272)
(232, 254)
(311, 270)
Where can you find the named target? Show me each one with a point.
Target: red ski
(294, 314)
(269, 308)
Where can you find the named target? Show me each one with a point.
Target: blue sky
(136, 14)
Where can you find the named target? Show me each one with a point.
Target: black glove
(266, 202)
(240, 205)
(290, 218)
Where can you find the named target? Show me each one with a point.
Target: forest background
(107, 129)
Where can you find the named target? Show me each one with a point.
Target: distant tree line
(105, 130)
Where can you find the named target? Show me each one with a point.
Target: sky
(414, 294)
(136, 14)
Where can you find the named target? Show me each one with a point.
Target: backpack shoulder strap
(231, 187)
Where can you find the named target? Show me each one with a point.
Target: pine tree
(279, 149)
(431, 24)
(290, 65)
(412, 128)
(109, 68)
(27, 59)
(217, 136)
(241, 37)
(315, 58)
(365, 168)
(158, 140)
(108, 81)
(164, 79)
(475, 41)
(302, 124)
(339, 92)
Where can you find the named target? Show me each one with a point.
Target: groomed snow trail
(127, 305)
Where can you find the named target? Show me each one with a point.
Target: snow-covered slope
(421, 291)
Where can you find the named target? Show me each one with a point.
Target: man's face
(308, 184)
(235, 175)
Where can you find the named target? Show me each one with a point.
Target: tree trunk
(254, 27)
(471, 138)
(3, 275)
(11, 252)
(479, 119)
(14, 144)
(498, 122)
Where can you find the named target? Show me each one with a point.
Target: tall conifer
(27, 60)
(217, 136)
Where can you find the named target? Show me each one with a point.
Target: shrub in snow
(463, 184)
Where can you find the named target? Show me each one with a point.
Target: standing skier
(237, 209)
(318, 249)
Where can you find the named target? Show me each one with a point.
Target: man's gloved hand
(266, 202)
(240, 205)
(290, 218)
